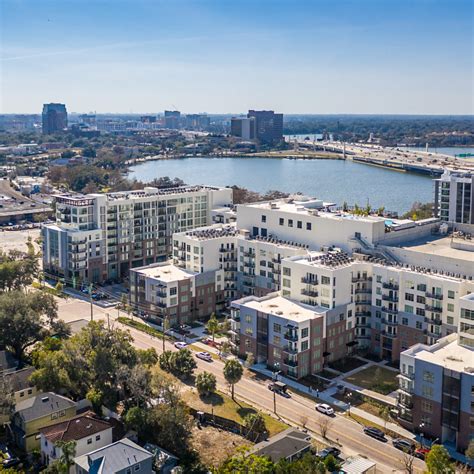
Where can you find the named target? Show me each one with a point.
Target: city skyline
(320, 58)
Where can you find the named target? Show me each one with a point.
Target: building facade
(268, 126)
(54, 118)
(243, 127)
(99, 237)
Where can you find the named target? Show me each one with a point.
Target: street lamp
(422, 425)
(349, 397)
(275, 378)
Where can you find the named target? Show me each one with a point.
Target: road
(293, 410)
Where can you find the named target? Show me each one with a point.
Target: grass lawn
(233, 410)
(375, 378)
(346, 365)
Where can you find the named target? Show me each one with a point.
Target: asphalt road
(254, 391)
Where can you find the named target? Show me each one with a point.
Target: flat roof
(447, 353)
(282, 307)
(441, 247)
(165, 272)
(299, 208)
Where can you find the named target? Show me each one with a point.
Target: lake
(332, 180)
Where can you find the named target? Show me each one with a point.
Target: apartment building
(268, 126)
(454, 197)
(163, 290)
(436, 391)
(289, 336)
(99, 237)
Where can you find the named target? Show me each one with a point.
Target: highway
(255, 392)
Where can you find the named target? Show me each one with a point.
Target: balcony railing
(388, 322)
(291, 336)
(309, 281)
(356, 279)
(434, 309)
(290, 362)
(290, 350)
(390, 286)
(435, 296)
(389, 310)
(363, 290)
(363, 314)
(393, 299)
(311, 293)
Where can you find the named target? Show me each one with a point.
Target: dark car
(375, 433)
(280, 388)
(404, 445)
(329, 451)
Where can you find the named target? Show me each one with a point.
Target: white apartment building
(98, 237)
(454, 198)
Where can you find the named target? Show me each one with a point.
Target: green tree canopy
(233, 372)
(437, 460)
(206, 383)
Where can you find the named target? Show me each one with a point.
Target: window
(451, 294)
(137, 467)
(276, 353)
(287, 282)
(282, 221)
(428, 376)
(264, 218)
(450, 307)
(248, 318)
(173, 291)
(421, 287)
(308, 225)
(378, 278)
(286, 271)
(97, 438)
(408, 309)
(276, 340)
(276, 327)
(89, 440)
(409, 297)
(304, 345)
(427, 391)
(378, 302)
(418, 325)
(304, 332)
(128, 471)
(426, 420)
(420, 311)
(299, 224)
(405, 321)
(22, 394)
(325, 280)
(420, 299)
(290, 222)
(450, 320)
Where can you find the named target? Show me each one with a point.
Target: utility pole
(108, 320)
(165, 328)
(90, 299)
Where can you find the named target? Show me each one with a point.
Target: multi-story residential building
(98, 237)
(166, 291)
(35, 413)
(243, 127)
(54, 118)
(197, 122)
(121, 457)
(454, 198)
(268, 126)
(87, 431)
(289, 336)
(436, 392)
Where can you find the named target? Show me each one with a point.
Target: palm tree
(233, 372)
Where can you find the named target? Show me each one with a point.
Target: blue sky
(226, 56)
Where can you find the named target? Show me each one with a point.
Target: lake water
(331, 180)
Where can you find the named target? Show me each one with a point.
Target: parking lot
(16, 239)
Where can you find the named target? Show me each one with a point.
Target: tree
(148, 357)
(212, 326)
(250, 360)
(255, 426)
(470, 451)
(233, 372)
(17, 268)
(59, 288)
(331, 463)
(206, 383)
(135, 418)
(26, 318)
(180, 363)
(7, 401)
(437, 460)
(407, 460)
(384, 413)
(242, 462)
(324, 423)
(64, 463)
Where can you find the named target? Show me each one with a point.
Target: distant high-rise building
(54, 118)
(172, 119)
(268, 126)
(88, 119)
(243, 127)
(197, 122)
(148, 118)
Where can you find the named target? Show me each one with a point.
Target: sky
(227, 56)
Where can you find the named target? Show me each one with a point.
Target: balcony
(363, 301)
(390, 335)
(309, 281)
(434, 309)
(409, 376)
(356, 279)
(159, 304)
(291, 336)
(435, 296)
(161, 294)
(310, 302)
(359, 291)
(249, 254)
(363, 314)
(311, 293)
(290, 350)
(385, 309)
(391, 298)
(290, 362)
(405, 403)
(390, 286)
(406, 389)
(389, 323)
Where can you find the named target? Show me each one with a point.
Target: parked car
(375, 433)
(330, 450)
(280, 388)
(404, 445)
(180, 345)
(204, 356)
(325, 408)
(421, 453)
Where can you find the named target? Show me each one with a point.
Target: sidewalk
(327, 396)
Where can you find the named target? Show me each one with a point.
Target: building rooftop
(75, 429)
(275, 304)
(165, 272)
(285, 445)
(446, 353)
(309, 208)
(19, 380)
(113, 458)
(330, 259)
(42, 404)
(212, 232)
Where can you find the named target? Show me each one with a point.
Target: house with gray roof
(122, 457)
